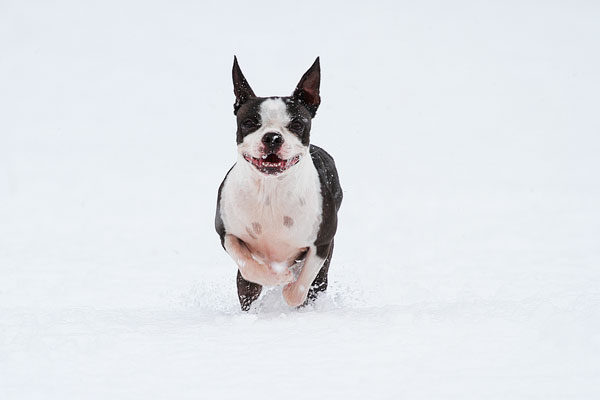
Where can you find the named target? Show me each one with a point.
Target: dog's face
(273, 133)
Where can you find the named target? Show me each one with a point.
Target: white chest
(277, 217)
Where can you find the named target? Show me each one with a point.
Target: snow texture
(467, 261)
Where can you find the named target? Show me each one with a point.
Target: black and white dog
(277, 206)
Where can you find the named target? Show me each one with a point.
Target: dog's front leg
(251, 269)
(295, 293)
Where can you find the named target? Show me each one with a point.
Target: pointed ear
(307, 90)
(241, 88)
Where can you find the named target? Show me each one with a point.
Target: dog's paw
(295, 294)
(266, 275)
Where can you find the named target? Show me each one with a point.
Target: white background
(467, 260)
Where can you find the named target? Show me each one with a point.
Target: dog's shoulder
(331, 193)
(219, 225)
(328, 175)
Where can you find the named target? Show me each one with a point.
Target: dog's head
(273, 133)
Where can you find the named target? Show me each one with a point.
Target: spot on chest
(288, 221)
(257, 227)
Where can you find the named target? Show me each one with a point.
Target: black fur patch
(241, 87)
(298, 111)
(331, 191)
(249, 110)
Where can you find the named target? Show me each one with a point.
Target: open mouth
(271, 164)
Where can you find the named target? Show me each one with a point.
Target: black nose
(272, 140)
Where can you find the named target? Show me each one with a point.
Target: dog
(277, 206)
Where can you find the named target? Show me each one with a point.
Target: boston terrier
(277, 206)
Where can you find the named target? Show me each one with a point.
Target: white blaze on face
(274, 118)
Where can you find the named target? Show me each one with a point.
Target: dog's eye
(296, 126)
(250, 123)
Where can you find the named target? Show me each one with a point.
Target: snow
(467, 261)
(278, 267)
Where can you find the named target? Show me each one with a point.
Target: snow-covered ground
(467, 262)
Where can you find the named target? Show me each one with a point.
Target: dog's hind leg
(320, 283)
(247, 291)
